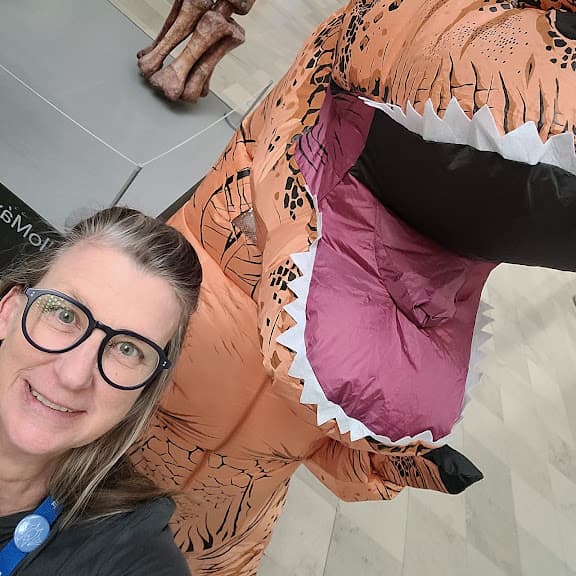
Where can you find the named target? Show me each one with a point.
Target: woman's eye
(128, 349)
(66, 316)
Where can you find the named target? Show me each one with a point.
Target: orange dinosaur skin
(232, 430)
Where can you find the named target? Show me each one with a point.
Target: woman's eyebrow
(74, 295)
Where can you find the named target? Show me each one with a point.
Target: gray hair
(98, 480)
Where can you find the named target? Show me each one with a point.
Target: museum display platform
(80, 129)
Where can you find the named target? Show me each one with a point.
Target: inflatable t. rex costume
(345, 242)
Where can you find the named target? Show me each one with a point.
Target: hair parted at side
(98, 480)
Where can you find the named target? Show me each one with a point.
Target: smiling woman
(89, 333)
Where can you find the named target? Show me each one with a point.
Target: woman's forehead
(117, 291)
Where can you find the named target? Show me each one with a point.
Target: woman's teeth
(47, 402)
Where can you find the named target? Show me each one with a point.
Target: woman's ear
(9, 306)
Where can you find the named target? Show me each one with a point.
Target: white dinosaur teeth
(481, 132)
(47, 402)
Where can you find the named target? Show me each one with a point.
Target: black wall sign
(22, 231)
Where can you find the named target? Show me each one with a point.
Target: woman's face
(50, 403)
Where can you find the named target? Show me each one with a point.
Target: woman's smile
(54, 406)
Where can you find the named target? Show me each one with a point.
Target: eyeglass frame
(32, 294)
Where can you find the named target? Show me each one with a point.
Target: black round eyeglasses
(56, 323)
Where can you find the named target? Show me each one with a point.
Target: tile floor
(520, 429)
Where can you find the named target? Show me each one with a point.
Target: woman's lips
(55, 407)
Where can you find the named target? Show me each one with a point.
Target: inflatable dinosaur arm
(357, 475)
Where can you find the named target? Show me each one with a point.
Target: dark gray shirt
(136, 544)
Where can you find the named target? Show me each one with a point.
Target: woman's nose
(78, 367)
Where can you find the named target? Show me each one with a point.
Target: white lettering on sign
(15, 221)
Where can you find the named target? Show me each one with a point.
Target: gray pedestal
(79, 128)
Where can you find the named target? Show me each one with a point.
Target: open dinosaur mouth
(387, 308)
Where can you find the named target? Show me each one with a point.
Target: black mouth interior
(474, 203)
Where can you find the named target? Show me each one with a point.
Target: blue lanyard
(31, 532)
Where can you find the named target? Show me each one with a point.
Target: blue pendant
(31, 532)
